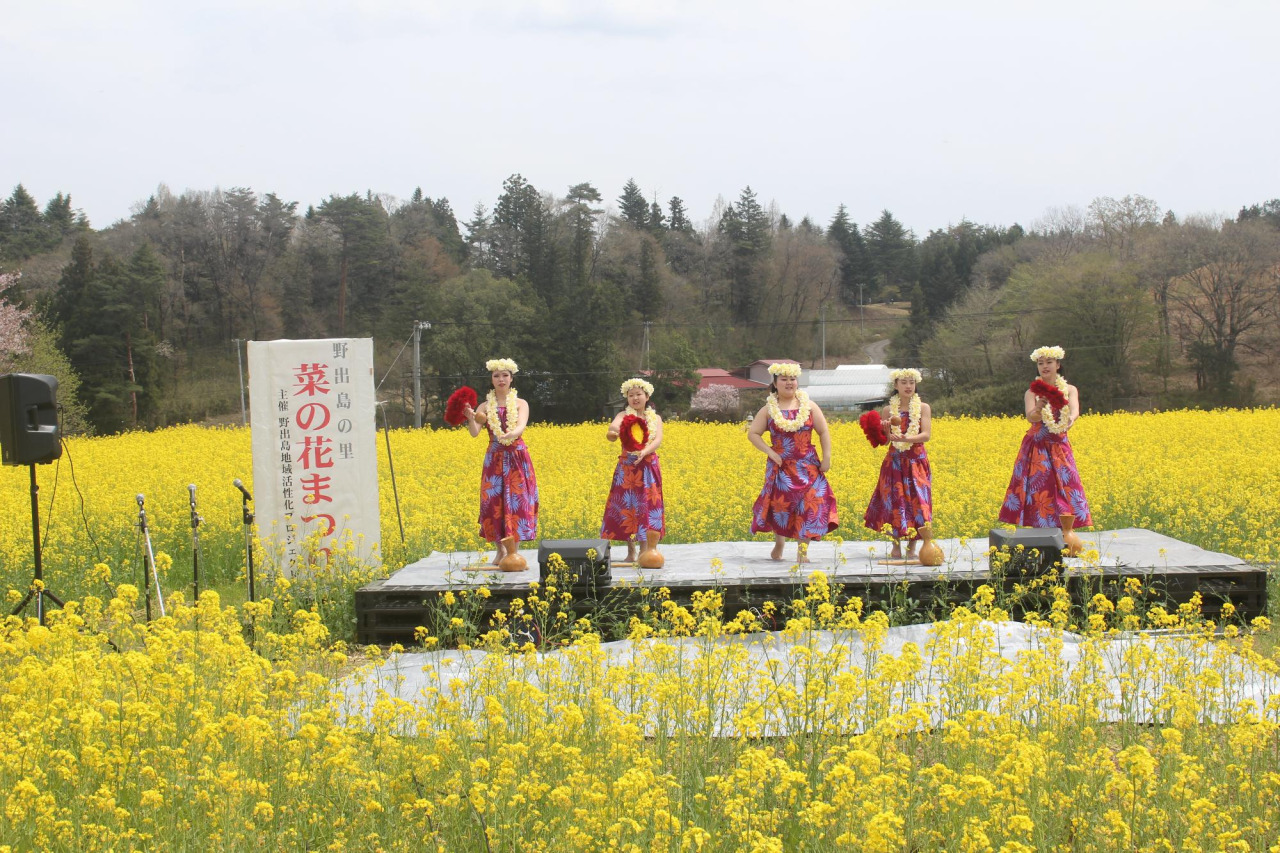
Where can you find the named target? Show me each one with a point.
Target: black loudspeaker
(1046, 540)
(584, 571)
(29, 431)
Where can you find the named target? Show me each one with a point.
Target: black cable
(66, 448)
(53, 495)
(393, 364)
(756, 324)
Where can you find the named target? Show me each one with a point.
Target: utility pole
(244, 412)
(418, 326)
(862, 320)
(824, 336)
(645, 363)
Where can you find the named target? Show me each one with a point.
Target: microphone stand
(195, 543)
(37, 590)
(149, 562)
(247, 517)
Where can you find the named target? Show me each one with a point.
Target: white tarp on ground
(1133, 677)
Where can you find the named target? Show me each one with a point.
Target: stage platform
(389, 610)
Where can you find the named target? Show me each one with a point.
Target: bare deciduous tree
(1222, 303)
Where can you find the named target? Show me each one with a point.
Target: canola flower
(179, 734)
(223, 727)
(1160, 471)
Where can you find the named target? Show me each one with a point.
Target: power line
(756, 324)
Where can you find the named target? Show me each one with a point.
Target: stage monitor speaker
(583, 570)
(1047, 541)
(29, 419)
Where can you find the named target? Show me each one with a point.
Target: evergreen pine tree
(679, 220)
(59, 219)
(632, 206)
(648, 297)
(893, 258)
(746, 227)
(478, 237)
(656, 221)
(22, 229)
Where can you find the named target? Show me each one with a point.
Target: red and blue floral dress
(508, 489)
(634, 508)
(903, 498)
(1045, 483)
(796, 501)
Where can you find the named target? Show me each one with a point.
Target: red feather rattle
(1049, 392)
(873, 428)
(455, 409)
(634, 433)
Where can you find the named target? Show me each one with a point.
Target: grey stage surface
(1132, 549)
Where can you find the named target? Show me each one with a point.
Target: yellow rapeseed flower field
(1203, 477)
(219, 727)
(180, 734)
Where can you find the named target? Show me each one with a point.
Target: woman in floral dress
(508, 488)
(634, 512)
(1045, 483)
(903, 499)
(796, 501)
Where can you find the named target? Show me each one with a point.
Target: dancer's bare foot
(896, 553)
(776, 553)
(631, 554)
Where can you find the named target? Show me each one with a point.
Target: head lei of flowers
(1048, 352)
(904, 373)
(493, 365)
(637, 383)
(785, 368)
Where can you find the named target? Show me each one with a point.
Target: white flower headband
(493, 365)
(904, 373)
(637, 383)
(1048, 352)
(785, 368)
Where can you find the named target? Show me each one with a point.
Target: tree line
(148, 312)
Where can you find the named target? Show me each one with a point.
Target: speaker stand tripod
(37, 590)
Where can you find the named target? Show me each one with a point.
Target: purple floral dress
(796, 501)
(508, 489)
(904, 494)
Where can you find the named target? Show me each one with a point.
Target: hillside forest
(143, 320)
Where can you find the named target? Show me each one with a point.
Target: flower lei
(495, 423)
(1057, 353)
(913, 419)
(789, 424)
(495, 364)
(1057, 424)
(637, 383)
(650, 420)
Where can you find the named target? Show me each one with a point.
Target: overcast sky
(937, 111)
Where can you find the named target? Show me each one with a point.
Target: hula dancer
(508, 488)
(796, 501)
(1045, 483)
(634, 511)
(903, 499)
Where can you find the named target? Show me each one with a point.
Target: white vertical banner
(314, 437)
